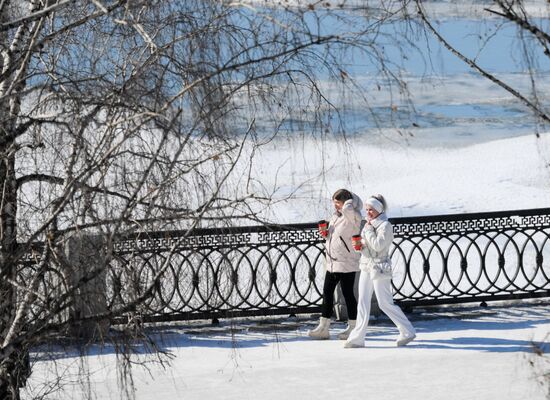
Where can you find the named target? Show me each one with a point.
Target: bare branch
(523, 23)
(540, 113)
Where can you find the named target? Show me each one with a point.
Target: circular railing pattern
(262, 270)
(274, 269)
(209, 278)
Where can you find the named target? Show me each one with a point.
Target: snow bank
(436, 8)
(424, 179)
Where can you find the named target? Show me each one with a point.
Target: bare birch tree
(120, 116)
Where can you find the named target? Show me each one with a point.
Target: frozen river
(455, 142)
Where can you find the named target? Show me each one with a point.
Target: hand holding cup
(356, 242)
(323, 228)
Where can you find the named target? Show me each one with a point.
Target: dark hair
(342, 195)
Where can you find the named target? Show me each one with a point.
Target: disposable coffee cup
(356, 242)
(323, 227)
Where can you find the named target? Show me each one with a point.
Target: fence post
(86, 271)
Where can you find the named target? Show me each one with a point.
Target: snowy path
(469, 353)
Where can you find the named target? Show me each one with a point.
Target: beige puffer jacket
(340, 256)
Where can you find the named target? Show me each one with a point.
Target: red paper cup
(323, 227)
(356, 242)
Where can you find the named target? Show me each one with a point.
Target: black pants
(346, 280)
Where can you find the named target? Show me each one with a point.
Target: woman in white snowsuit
(341, 261)
(375, 265)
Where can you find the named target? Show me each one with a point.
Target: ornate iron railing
(277, 269)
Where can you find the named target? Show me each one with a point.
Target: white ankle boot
(345, 334)
(405, 339)
(352, 345)
(321, 332)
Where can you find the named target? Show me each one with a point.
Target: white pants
(382, 290)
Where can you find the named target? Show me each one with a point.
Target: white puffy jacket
(377, 238)
(340, 256)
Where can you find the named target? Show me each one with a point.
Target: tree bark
(14, 366)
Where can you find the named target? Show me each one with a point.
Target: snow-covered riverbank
(504, 174)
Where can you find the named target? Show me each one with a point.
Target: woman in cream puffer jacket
(345, 223)
(376, 239)
(341, 261)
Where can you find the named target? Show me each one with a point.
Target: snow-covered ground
(472, 148)
(460, 353)
(504, 174)
(445, 8)
(470, 353)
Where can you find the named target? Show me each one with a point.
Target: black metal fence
(268, 270)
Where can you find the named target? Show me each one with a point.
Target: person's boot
(405, 339)
(345, 334)
(321, 331)
(352, 345)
